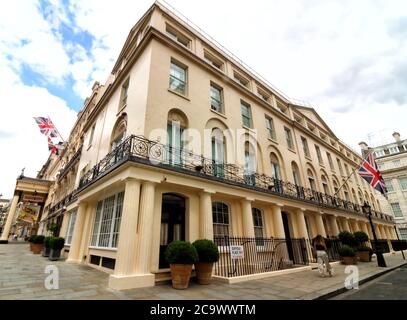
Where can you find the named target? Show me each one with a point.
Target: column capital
(248, 199)
(301, 209)
(210, 191)
(278, 205)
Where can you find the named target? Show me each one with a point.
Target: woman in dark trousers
(322, 256)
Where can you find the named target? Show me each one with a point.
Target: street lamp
(380, 259)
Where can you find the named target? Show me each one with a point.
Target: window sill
(249, 129)
(179, 94)
(272, 140)
(103, 248)
(218, 113)
(322, 165)
(306, 157)
(292, 150)
(121, 110)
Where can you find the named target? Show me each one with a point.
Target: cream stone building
(392, 161)
(185, 142)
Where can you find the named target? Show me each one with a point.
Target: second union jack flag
(46, 127)
(369, 171)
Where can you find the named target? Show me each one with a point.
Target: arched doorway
(172, 223)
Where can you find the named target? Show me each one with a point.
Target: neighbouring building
(184, 142)
(4, 206)
(391, 159)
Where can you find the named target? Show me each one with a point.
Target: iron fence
(142, 150)
(399, 245)
(332, 249)
(382, 245)
(259, 255)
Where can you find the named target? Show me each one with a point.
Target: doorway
(287, 235)
(172, 223)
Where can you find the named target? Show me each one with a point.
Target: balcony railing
(141, 150)
(70, 164)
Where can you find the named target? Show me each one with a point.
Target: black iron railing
(258, 255)
(70, 164)
(382, 245)
(59, 205)
(141, 150)
(399, 245)
(332, 248)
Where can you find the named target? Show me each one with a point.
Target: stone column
(346, 225)
(64, 226)
(320, 224)
(10, 219)
(379, 232)
(364, 227)
(388, 237)
(394, 233)
(248, 228)
(87, 225)
(145, 229)
(127, 242)
(334, 226)
(74, 250)
(278, 221)
(302, 227)
(205, 215)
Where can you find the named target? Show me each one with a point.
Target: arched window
(119, 132)
(176, 125)
(220, 214)
(296, 173)
(275, 166)
(360, 198)
(336, 188)
(218, 152)
(355, 199)
(346, 193)
(258, 225)
(325, 185)
(311, 180)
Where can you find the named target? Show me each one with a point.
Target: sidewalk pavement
(23, 273)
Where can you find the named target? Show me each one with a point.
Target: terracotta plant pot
(349, 260)
(204, 272)
(37, 248)
(180, 274)
(363, 256)
(31, 246)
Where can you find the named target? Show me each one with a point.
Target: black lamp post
(380, 259)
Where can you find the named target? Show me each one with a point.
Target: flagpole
(364, 159)
(57, 131)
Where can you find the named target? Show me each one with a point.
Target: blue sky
(346, 57)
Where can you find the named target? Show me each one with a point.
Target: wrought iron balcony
(70, 164)
(141, 150)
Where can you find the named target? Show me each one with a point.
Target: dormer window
(178, 36)
(240, 79)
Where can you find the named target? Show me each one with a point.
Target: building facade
(392, 161)
(183, 142)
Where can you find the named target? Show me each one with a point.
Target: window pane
(220, 213)
(216, 99)
(96, 224)
(389, 185)
(403, 183)
(396, 209)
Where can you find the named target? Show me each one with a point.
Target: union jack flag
(46, 127)
(369, 171)
(52, 147)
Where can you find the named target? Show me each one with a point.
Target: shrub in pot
(364, 253)
(181, 255)
(347, 239)
(347, 254)
(361, 238)
(208, 253)
(56, 244)
(37, 244)
(30, 241)
(47, 248)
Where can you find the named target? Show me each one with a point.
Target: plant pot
(349, 260)
(54, 255)
(37, 248)
(363, 256)
(46, 251)
(180, 274)
(31, 246)
(204, 272)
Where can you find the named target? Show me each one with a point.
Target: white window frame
(70, 228)
(403, 186)
(399, 213)
(112, 224)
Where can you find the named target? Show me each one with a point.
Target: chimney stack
(396, 136)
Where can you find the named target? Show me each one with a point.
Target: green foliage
(56, 243)
(207, 250)
(46, 242)
(181, 252)
(53, 228)
(363, 248)
(346, 251)
(347, 239)
(37, 239)
(30, 239)
(361, 237)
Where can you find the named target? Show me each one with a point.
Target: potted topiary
(181, 255)
(47, 248)
(30, 241)
(364, 253)
(37, 244)
(347, 239)
(208, 253)
(56, 244)
(347, 254)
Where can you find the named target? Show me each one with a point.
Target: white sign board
(236, 252)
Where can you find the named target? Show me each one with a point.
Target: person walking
(322, 256)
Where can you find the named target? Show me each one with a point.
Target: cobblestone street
(23, 275)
